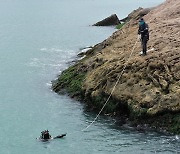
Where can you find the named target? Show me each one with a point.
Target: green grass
(120, 25)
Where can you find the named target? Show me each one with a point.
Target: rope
(113, 87)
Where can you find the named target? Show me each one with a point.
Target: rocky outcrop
(149, 89)
(137, 14)
(109, 21)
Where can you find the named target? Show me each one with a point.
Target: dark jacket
(144, 31)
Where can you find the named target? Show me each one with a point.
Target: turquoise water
(37, 40)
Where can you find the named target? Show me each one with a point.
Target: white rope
(113, 88)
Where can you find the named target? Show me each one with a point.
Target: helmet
(141, 21)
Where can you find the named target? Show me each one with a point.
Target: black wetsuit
(143, 30)
(47, 136)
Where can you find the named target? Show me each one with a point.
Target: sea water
(38, 40)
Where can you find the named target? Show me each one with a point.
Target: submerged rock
(109, 21)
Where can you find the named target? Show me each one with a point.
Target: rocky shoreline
(148, 94)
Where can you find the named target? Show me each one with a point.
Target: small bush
(120, 25)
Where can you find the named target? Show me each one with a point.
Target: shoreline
(91, 78)
(135, 120)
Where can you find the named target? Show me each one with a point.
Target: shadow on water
(107, 128)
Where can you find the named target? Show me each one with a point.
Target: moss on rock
(71, 81)
(120, 25)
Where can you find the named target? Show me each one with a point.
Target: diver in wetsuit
(45, 135)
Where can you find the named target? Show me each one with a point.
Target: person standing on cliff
(144, 32)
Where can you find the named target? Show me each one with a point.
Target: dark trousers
(144, 44)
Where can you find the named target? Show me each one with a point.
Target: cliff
(150, 85)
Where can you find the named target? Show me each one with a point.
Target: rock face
(150, 85)
(137, 14)
(109, 21)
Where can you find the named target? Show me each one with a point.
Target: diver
(45, 135)
(144, 32)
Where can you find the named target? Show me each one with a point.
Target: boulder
(109, 21)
